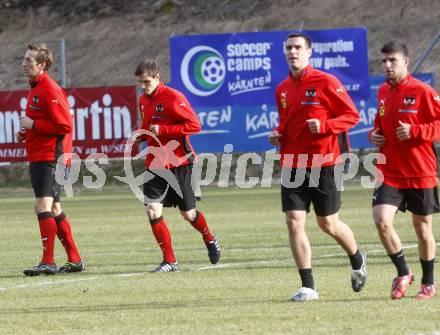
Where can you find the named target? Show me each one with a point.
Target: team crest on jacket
(382, 108)
(35, 98)
(284, 99)
(409, 100)
(311, 92)
(159, 108)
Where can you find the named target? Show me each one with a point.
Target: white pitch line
(47, 283)
(68, 281)
(134, 252)
(131, 274)
(212, 267)
(376, 251)
(232, 265)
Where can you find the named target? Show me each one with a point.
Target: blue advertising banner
(245, 68)
(247, 127)
(230, 81)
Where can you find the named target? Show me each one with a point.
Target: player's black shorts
(43, 180)
(326, 198)
(422, 201)
(157, 187)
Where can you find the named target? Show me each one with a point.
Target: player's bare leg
(383, 216)
(302, 254)
(341, 232)
(427, 248)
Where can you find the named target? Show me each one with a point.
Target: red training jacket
(314, 95)
(169, 109)
(51, 135)
(410, 163)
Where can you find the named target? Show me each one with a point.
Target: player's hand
(26, 122)
(403, 132)
(377, 138)
(20, 136)
(314, 125)
(274, 137)
(154, 128)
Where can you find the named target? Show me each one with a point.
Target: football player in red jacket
(168, 120)
(315, 114)
(47, 132)
(406, 124)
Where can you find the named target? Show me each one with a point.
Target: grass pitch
(247, 293)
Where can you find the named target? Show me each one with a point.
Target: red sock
(48, 230)
(163, 237)
(64, 233)
(199, 223)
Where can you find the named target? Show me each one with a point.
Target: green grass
(247, 294)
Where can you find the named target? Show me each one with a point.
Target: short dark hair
(43, 54)
(306, 38)
(149, 66)
(393, 47)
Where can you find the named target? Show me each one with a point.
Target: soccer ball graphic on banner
(213, 70)
(203, 70)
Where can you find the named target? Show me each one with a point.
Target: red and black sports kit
(170, 154)
(314, 95)
(170, 110)
(410, 171)
(47, 105)
(50, 137)
(171, 149)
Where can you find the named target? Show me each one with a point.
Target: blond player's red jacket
(410, 163)
(314, 95)
(51, 135)
(171, 111)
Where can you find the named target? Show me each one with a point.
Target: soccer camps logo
(203, 70)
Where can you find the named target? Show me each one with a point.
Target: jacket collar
(157, 91)
(401, 82)
(304, 73)
(38, 79)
